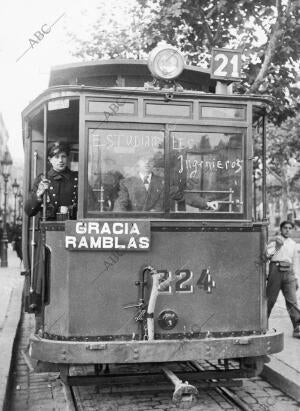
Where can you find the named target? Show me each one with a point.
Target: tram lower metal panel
(89, 290)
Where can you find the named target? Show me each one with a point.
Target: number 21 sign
(226, 64)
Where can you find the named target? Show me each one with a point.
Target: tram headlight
(165, 62)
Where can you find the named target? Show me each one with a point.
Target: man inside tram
(143, 191)
(60, 185)
(184, 197)
(109, 180)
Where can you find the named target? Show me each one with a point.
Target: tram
(181, 281)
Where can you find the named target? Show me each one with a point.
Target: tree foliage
(283, 162)
(267, 31)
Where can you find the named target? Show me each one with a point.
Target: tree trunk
(285, 200)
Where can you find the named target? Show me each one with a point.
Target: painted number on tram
(182, 281)
(226, 64)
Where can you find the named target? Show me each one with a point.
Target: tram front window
(206, 168)
(126, 171)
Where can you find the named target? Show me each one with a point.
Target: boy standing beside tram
(282, 254)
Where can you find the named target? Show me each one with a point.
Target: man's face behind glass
(145, 166)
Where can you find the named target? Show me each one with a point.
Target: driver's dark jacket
(63, 191)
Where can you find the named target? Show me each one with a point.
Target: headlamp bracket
(169, 86)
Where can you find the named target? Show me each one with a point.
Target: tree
(283, 163)
(268, 32)
(111, 35)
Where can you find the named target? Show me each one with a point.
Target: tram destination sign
(126, 235)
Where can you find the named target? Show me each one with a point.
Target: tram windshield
(206, 167)
(127, 172)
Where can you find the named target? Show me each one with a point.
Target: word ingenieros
(125, 140)
(194, 167)
(93, 235)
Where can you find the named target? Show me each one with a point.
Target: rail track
(123, 390)
(76, 401)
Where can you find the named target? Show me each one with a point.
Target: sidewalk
(284, 369)
(11, 287)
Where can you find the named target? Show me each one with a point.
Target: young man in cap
(282, 254)
(60, 184)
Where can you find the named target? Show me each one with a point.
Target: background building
(14, 202)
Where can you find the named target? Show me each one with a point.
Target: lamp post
(5, 170)
(15, 187)
(20, 203)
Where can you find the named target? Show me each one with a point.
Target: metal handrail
(33, 243)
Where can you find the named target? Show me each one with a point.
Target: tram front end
(168, 268)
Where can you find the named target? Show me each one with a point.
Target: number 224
(183, 281)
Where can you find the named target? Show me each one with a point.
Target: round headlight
(165, 62)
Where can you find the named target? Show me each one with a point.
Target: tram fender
(80, 352)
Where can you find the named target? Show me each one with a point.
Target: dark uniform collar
(59, 175)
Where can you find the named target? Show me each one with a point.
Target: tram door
(61, 123)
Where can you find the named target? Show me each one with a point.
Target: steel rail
(225, 392)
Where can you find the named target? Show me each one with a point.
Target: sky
(26, 59)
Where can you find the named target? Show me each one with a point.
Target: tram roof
(124, 73)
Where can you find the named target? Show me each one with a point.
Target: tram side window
(125, 171)
(257, 168)
(206, 167)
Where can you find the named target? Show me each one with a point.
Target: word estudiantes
(107, 236)
(126, 140)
